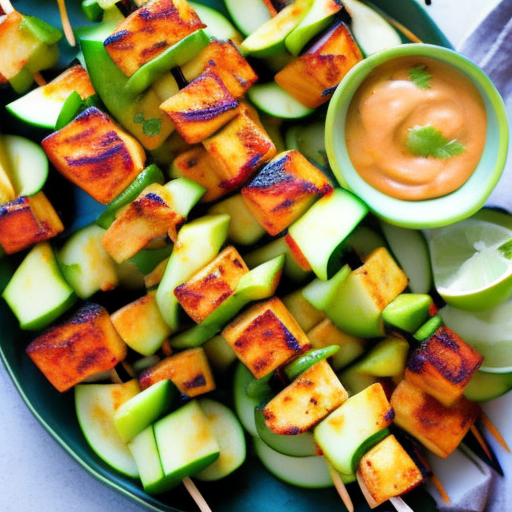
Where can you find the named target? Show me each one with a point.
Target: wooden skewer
(491, 427)
(66, 25)
(6, 6)
(480, 440)
(196, 495)
(400, 504)
(340, 487)
(39, 79)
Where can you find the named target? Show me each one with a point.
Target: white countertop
(37, 475)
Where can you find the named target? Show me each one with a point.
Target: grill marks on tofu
(306, 401)
(95, 154)
(84, 345)
(149, 31)
(266, 336)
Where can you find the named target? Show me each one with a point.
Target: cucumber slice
(371, 30)
(485, 386)
(230, 436)
(244, 404)
(247, 15)
(272, 99)
(28, 164)
(217, 25)
(309, 139)
(410, 249)
(310, 472)
(37, 292)
(368, 443)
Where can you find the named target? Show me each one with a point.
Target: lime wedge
(471, 263)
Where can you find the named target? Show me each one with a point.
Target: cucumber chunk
(244, 404)
(247, 15)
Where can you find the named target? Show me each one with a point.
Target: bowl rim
(427, 213)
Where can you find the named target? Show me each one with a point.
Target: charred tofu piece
(95, 154)
(437, 427)
(387, 471)
(240, 148)
(313, 76)
(149, 217)
(225, 59)
(141, 324)
(212, 285)
(201, 108)
(188, 370)
(443, 365)
(149, 31)
(198, 165)
(284, 189)
(306, 401)
(75, 78)
(26, 221)
(265, 336)
(84, 345)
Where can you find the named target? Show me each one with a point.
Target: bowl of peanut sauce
(420, 133)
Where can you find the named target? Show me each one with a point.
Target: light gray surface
(36, 474)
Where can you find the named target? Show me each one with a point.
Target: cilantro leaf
(428, 141)
(420, 76)
(152, 127)
(506, 249)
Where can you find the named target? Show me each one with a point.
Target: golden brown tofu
(306, 401)
(265, 336)
(198, 165)
(212, 285)
(313, 76)
(95, 154)
(149, 31)
(240, 148)
(188, 370)
(224, 59)
(284, 189)
(149, 217)
(387, 471)
(437, 427)
(84, 345)
(26, 221)
(201, 108)
(443, 365)
(76, 78)
(141, 324)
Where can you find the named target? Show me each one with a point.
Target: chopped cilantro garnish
(151, 127)
(428, 141)
(420, 76)
(506, 249)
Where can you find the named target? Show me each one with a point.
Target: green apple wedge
(95, 406)
(217, 25)
(198, 242)
(317, 18)
(37, 292)
(269, 39)
(143, 409)
(247, 15)
(186, 443)
(257, 284)
(408, 312)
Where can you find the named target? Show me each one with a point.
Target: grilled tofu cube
(198, 165)
(240, 148)
(149, 217)
(212, 285)
(84, 345)
(188, 370)
(265, 336)
(26, 221)
(75, 78)
(149, 31)
(284, 189)
(306, 401)
(345, 429)
(141, 324)
(201, 108)
(313, 76)
(437, 427)
(225, 59)
(95, 154)
(387, 471)
(443, 365)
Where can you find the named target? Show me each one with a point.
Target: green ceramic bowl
(431, 212)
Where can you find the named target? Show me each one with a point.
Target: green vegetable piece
(70, 109)
(420, 76)
(92, 10)
(428, 328)
(260, 388)
(366, 445)
(408, 311)
(147, 259)
(428, 141)
(308, 359)
(41, 30)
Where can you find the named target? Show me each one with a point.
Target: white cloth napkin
(474, 487)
